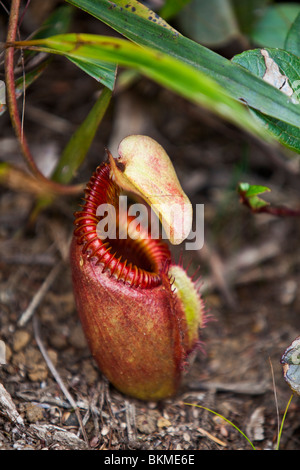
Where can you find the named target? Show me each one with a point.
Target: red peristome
(102, 190)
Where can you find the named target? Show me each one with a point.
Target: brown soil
(250, 272)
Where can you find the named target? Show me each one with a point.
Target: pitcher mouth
(139, 261)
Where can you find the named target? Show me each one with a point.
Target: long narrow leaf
(101, 71)
(144, 27)
(168, 71)
(225, 419)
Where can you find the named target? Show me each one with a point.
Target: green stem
(283, 419)
(227, 420)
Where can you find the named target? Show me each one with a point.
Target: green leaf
(249, 193)
(166, 70)
(124, 8)
(272, 29)
(211, 23)
(252, 189)
(143, 27)
(283, 420)
(103, 72)
(249, 197)
(282, 69)
(79, 144)
(287, 135)
(292, 41)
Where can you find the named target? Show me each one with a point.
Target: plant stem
(277, 211)
(225, 419)
(53, 187)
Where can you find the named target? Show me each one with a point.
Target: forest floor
(250, 273)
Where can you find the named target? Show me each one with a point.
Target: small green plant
(225, 419)
(283, 420)
(239, 430)
(249, 196)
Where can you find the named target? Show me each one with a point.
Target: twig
(130, 421)
(8, 408)
(57, 376)
(27, 314)
(205, 433)
(55, 437)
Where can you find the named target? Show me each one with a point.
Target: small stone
(20, 340)
(38, 373)
(146, 424)
(105, 430)
(70, 419)
(94, 442)
(34, 413)
(163, 422)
